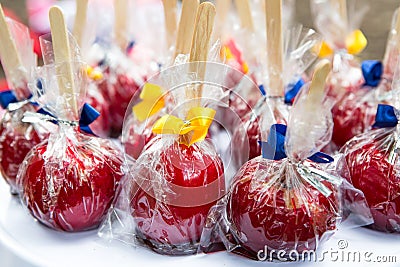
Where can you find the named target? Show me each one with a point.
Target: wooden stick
(222, 7)
(273, 10)
(10, 58)
(120, 22)
(170, 20)
(200, 46)
(186, 27)
(202, 35)
(80, 20)
(317, 86)
(342, 5)
(244, 11)
(62, 57)
(310, 109)
(397, 27)
(392, 39)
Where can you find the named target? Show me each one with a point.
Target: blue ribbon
(88, 115)
(262, 89)
(6, 98)
(293, 90)
(372, 71)
(130, 46)
(385, 117)
(274, 148)
(39, 86)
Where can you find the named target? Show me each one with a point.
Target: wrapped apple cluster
(152, 100)
(179, 175)
(69, 181)
(244, 43)
(177, 138)
(107, 43)
(272, 107)
(119, 85)
(16, 137)
(289, 200)
(172, 185)
(351, 83)
(373, 159)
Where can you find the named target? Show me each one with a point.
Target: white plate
(44, 247)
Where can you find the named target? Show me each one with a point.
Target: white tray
(44, 247)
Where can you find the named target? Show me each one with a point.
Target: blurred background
(375, 26)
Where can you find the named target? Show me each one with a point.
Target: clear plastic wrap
(392, 49)
(121, 81)
(299, 53)
(19, 78)
(169, 189)
(152, 100)
(373, 161)
(102, 126)
(91, 93)
(111, 54)
(16, 137)
(244, 51)
(89, 53)
(69, 181)
(148, 29)
(284, 204)
(245, 45)
(354, 110)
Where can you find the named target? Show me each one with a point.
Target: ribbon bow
(94, 74)
(274, 148)
(8, 100)
(293, 90)
(152, 102)
(130, 46)
(355, 44)
(197, 122)
(385, 117)
(88, 115)
(233, 52)
(372, 71)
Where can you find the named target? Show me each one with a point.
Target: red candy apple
(246, 136)
(238, 106)
(16, 140)
(134, 141)
(288, 214)
(70, 184)
(353, 114)
(195, 177)
(372, 173)
(118, 91)
(101, 126)
(245, 140)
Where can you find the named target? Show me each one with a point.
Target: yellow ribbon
(197, 122)
(152, 102)
(93, 74)
(229, 55)
(355, 44)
